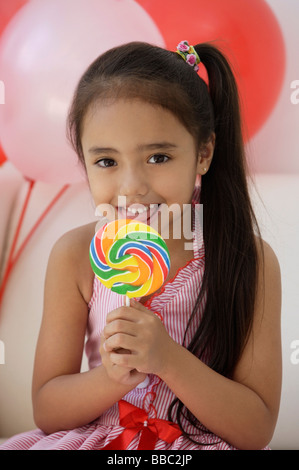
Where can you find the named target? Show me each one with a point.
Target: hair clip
(189, 54)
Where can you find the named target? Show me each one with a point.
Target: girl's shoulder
(71, 251)
(266, 256)
(77, 238)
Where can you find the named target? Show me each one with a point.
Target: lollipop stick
(127, 301)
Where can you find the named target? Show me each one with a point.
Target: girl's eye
(158, 158)
(106, 162)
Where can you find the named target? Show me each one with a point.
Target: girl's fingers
(119, 326)
(123, 360)
(120, 313)
(135, 338)
(126, 319)
(131, 313)
(119, 341)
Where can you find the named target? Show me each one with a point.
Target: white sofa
(21, 309)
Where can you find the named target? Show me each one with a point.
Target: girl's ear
(205, 155)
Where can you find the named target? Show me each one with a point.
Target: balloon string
(10, 262)
(13, 259)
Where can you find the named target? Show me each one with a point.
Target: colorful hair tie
(189, 54)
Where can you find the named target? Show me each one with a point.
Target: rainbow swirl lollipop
(129, 258)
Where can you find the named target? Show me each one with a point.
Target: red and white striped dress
(139, 421)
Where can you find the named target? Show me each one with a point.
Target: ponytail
(223, 92)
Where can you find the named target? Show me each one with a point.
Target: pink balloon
(43, 52)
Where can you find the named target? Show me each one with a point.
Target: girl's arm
(64, 398)
(243, 411)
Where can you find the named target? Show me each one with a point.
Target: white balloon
(43, 53)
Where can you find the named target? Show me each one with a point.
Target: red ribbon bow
(135, 419)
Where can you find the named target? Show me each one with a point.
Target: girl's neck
(179, 257)
(179, 254)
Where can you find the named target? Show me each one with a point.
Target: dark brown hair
(158, 76)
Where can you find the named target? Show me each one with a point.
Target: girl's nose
(133, 182)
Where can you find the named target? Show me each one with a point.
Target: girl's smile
(143, 212)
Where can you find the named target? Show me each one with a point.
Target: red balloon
(8, 10)
(246, 31)
(2, 156)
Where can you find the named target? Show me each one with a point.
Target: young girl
(197, 365)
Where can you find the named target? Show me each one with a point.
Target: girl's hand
(120, 374)
(144, 342)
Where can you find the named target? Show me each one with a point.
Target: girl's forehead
(133, 124)
(123, 112)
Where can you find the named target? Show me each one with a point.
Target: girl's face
(139, 158)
